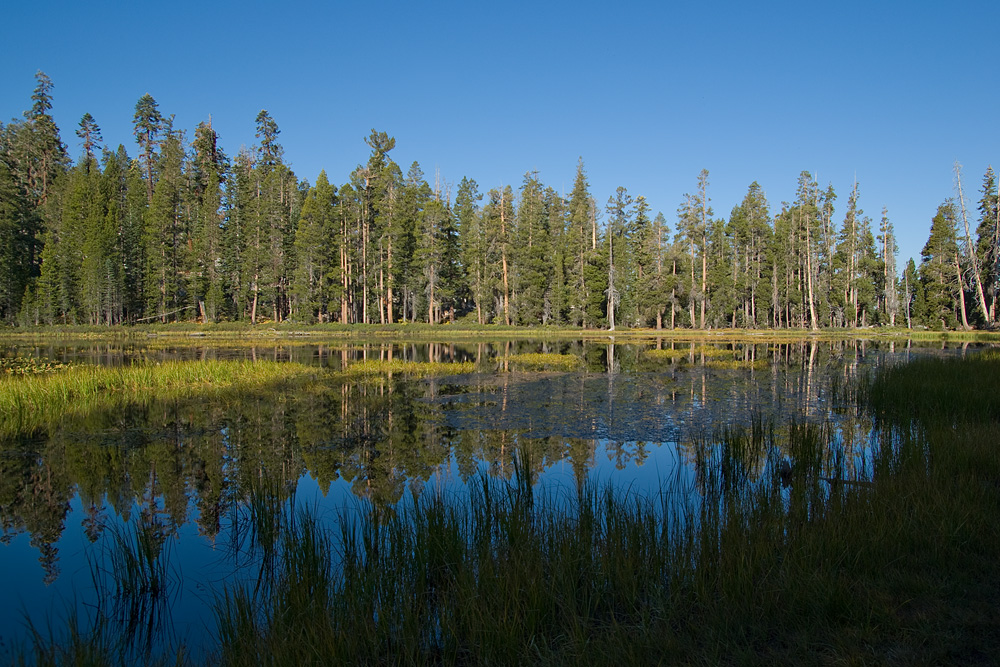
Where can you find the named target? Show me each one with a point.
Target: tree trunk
(503, 257)
(388, 288)
(809, 279)
(971, 250)
(253, 308)
(961, 293)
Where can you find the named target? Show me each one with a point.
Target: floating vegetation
(29, 366)
(738, 364)
(378, 368)
(691, 352)
(536, 361)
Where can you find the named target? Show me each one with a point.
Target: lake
(622, 414)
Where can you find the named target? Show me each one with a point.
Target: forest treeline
(181, 231)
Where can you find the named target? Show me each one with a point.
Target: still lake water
(625, 418)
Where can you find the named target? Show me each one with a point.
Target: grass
(737, 564)
(29, 401)
(195, 333)
(131, 623)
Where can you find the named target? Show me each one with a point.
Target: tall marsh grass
(513, 574)
(128, 621)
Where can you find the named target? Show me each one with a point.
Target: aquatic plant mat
(793, 554)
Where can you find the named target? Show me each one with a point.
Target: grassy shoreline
(194, 332)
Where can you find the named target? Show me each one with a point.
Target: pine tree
(131, 234)
(692, 231)
(663, 286)
(90, 134)
(101, 270)
(617, 233)
(47, 159)
(807, 214)
(208, 172)
(888, 285)
(595, 274)
(315, 272)
(452, 290)
(580, 248)
(848, 276)
(279, 202)
(940, 272)
(825, 248)
(531, 254)
(988, 241)
(556, 295)
(971, 262)
(870, 272)
(379, 181)
(348, 234)
(498, 221)
(107, 265)
(405, 224)
(17, 216)
(35, 162)
(147, 124)
(431, 257)
(750, 230)
(166, 233)
(472, 242)
(71, 209)
(261, 229)
(641, 301)
(722, 271)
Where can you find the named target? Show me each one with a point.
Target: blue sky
(647, 93)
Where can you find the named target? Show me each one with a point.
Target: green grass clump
(537, 361)
(30, 401)
(737, 364)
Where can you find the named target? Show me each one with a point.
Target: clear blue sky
(647, 93)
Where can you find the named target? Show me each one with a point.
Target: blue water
(627, 428)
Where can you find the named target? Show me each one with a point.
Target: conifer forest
(175, 229)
